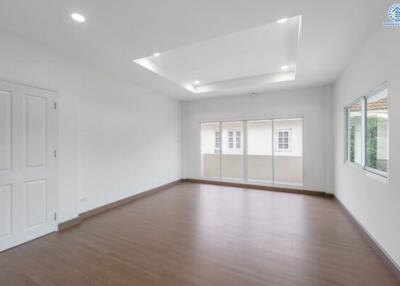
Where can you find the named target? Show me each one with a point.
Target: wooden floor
(194, 234)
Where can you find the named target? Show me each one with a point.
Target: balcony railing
(285, 170)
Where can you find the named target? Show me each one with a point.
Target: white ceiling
(116, 32)
(251, 58)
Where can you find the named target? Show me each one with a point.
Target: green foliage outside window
(352, 142)
(372, 142)
(372, 159)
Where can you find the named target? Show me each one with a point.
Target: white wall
(375, 204)
(310, 103)
(115, 139)
(129, 141)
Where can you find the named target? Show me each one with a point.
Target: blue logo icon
(394, 16)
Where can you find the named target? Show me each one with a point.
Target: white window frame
(217, 142)
(231, 139)
(238, 139)
(364, 100)
(289, 132)
(347, 109)
(234, 141)
(245, 155)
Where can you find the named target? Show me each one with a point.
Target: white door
(28, 167)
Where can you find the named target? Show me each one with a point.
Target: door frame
(53, 103)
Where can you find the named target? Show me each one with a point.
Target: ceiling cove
(254, 57)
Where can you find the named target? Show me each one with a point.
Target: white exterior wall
(260, 138)
(208, 138)
(225, 140)
(296, 140)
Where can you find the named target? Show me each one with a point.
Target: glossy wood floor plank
(194, 234)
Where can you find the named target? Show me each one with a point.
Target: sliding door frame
(245, 149)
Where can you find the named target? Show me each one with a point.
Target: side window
(368, 132)
(283, 140)
(376, 145)
(217, 141)
(354, 140)
(230, 139)
(238, 139)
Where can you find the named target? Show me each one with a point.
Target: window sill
(377, 177)
(367, 173)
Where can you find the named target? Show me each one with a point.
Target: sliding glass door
(232, 150)
(257, 151)
(288, 151)
(210, 150)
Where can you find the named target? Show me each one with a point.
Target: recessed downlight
(283, 20)
(156, 54)
(284, 68)
(196, 82)
(78, 17)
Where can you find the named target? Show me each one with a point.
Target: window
(230, 139)
(259, 151)
(354, 113)
(232, 154)
(376, 151)
(283, 140)
(367, 132)
(217, 141)
(288, 152)
(235, 139)
(249, 151)
(210, 154)
(238, 140)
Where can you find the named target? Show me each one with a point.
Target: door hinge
(55, 153)
(55, 216)
(55, 105)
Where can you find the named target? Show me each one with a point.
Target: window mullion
(245, 159)
(221, 150)
(273, 151)
(363, 132)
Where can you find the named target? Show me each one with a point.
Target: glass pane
(210, 158)
(259, 150)
(238, 139)
(377, 132)
(232, 154)
(217, 140)
(288, 160)
(354, 133)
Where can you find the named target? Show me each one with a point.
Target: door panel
(5, 130)
(288, 151)
(35, 131)
(5, 210)
(28, 167)
(232, 150)
(259, 151)
(35, 203)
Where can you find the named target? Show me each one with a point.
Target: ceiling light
(284, 20)
(284, 68)
(78, 17)
(156, 54)
(196, 82)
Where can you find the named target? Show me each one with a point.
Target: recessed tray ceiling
(253, 57)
